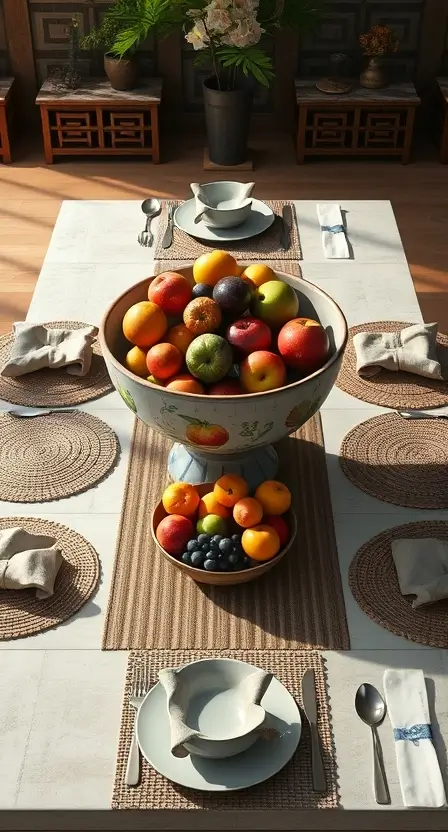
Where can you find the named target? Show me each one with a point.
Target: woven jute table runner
(291, 788)
(54, 455)
(374, 584)
(21, 613)
(54, 388)
(265, 246)
(401, 461)
(390, 389)
(300, 603)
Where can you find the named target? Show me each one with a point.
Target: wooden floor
(31, 194)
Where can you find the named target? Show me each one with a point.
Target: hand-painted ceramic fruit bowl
(214, 434)
(222, 578)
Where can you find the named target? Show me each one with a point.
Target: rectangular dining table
(60, 695)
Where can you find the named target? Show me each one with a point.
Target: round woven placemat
(390, 389)
(21, 613)
(400, 461)
(53, 456)
(374, 584)
(54, 388)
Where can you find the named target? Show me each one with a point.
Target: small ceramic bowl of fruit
(217, 533)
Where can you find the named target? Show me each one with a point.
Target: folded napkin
(35, 347)
(28, 560)
(414, 350)
(422, 569)
(334, 240)
(251, 690)
(418, 767)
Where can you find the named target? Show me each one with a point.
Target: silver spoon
(371, 708)
(151, 208)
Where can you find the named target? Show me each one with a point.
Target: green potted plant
(227, 33)
(125, 25)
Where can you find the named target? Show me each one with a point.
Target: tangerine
(211, 267)
(247, 512)
(180, 336)
(209, 505)
(258, 274)
(275, 497)
(180, 498)
(229, 489)
(260, 542)
(144, 324)
(136, 361)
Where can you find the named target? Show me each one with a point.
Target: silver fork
(145, 237)
(139, 692)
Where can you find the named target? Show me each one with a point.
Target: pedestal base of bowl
(185, 465)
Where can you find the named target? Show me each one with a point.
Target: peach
(171, 291)
(144, 324)
(303, 344)
(247, 512)
(274, 497)
(262, 371)
(229, 489)
(180, 336)
(202, 315)
(164, 360)
(209, 505)
(260, 542)
(180, 498)
(258, 274)
(185, 384)
(174, 532)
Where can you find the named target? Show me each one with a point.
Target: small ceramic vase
(374, 76)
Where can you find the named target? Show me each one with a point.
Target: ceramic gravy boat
(222, 204)
(214, 707)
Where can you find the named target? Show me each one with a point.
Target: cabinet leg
(406, 155)
(155, 135)
(46, 135)
(301, 134)
(5, 149)
(443, 158)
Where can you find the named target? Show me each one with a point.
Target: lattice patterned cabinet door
(75, 128)
(127, 129)
(330, 129)
(383, 129)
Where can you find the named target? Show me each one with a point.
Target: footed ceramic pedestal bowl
(215, 434)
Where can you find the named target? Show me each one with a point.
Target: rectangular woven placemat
(298, 604)
(266, 245)
(290, 789)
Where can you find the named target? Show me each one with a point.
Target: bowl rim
(205, 396)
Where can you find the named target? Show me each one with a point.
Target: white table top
(60, 696)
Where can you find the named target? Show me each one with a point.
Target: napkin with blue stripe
(418, 767)
(334, 240)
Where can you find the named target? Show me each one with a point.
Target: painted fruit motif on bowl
(240, 366)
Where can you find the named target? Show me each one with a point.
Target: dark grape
(211, 565)
(192, 545)
(202, 290)
(224, 564)
(205, 547)
(226, 545)
(216, 539)
(234, 558)
(186, 557)
(236, 538)
(197, 559)
(247, 562)
(203, 538)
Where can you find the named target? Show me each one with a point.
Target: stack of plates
(260, 219)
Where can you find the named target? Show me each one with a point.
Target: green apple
(275, 303)
(209, 358)
(211, 524)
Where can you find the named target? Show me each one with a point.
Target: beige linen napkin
(28, 560)
(251, 689)
(414, 350)
(35, 347)
(422, 569)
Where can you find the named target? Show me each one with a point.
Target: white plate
(261, 217)
(261, 761)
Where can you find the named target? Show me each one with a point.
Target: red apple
(304, 345)
(249, 335)
(262, 371)
(279, 524)
(226, 387)
(170, 291)
(174, 532)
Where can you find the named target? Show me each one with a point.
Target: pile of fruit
(226, 530)
(234, 331)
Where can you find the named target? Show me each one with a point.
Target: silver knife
(310, 708)
(168, 236)
(421, 414)
(285, 240)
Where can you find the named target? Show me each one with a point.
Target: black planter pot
(227, 118)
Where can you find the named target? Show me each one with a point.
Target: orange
(258, 274)
(211, 267)
(260, 542)
(180, 498)
(180, 336)
(164, 360)
(136, 361)
(229, 489)
(209, 505)
(144, 324)
(274, 497)
(247, 512)
(185, 384)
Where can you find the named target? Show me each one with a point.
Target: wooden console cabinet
(359, 123)
(6, 86)
(96, 120)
